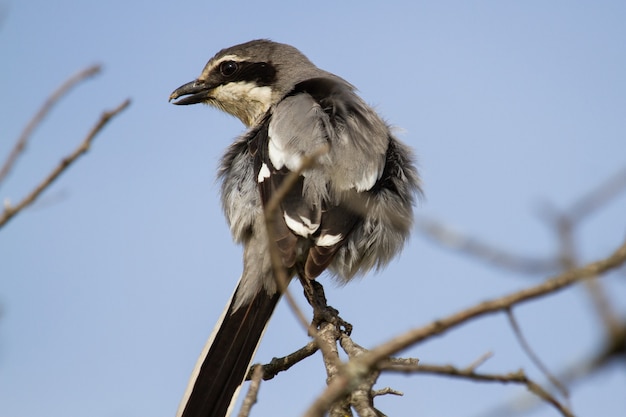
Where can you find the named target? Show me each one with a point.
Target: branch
(518, 377)
(612, 351)
(326, 337)
(10, 211)
(566, 222)
(271, 209)
(533, 356)
(253, 392)
(450, 238)
(327, 341)
(278, 365)
(599, 196)
(487, 307)
(362, 395)
(360, 366)
(20, 145)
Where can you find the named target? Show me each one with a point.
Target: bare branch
(565, 223)
(271, 208)
(10, 211)
(386, 391)
(518, 377)
(362, 394)
(20, 145)
(487, 307)
(613, 350)
(450, 238)
(478, 362)
(253, 391)
(278, 365)
(533, 356)
(327, 341)
(599, 196)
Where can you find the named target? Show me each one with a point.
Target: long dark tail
(224, 362)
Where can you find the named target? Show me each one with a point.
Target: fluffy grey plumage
(350, 213)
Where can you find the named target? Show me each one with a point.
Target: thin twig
(533, 356)
(518, 377)
(478, 362)
(599, 196)
(328, 334)
(360, 366)
(386, 391)
(277, 365)
(20, 144)
(565, 224)
(253, 392)
(271, 208)
(10, 211)
(450, 238)
(571, 375)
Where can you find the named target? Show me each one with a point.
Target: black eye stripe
(261, 73)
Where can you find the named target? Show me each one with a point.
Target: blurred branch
(325, 339)
(598, 197)
(446, 236)
(20, 145)
(518, 377)
(10, 211)
(253, 391)
(614, 350)
(270, 212)
(533, 356)
(565, 224)
(559, 282)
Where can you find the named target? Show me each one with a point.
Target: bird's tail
(224, 362)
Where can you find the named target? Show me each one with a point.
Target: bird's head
(247, 79)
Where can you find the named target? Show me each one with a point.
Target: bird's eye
(228, 68)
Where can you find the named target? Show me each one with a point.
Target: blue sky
(110, 285)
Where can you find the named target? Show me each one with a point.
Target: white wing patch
(276, 154)
(367, 181)
(263, 173)
(304, 227)
(279, 156)
(328, 240)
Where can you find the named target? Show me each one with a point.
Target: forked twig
(10, 211)
(20, 144)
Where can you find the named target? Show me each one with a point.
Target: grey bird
(350, 212)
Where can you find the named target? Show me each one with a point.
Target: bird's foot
(328, 314)
(322, 312)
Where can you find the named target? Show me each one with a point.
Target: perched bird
(350, 212)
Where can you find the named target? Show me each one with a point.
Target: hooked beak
(196, 92)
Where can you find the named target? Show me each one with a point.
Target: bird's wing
(321, 207)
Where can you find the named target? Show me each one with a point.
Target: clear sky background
(111, 284)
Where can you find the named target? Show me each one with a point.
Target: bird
(348, 212)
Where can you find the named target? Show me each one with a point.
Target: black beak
(196, 92)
